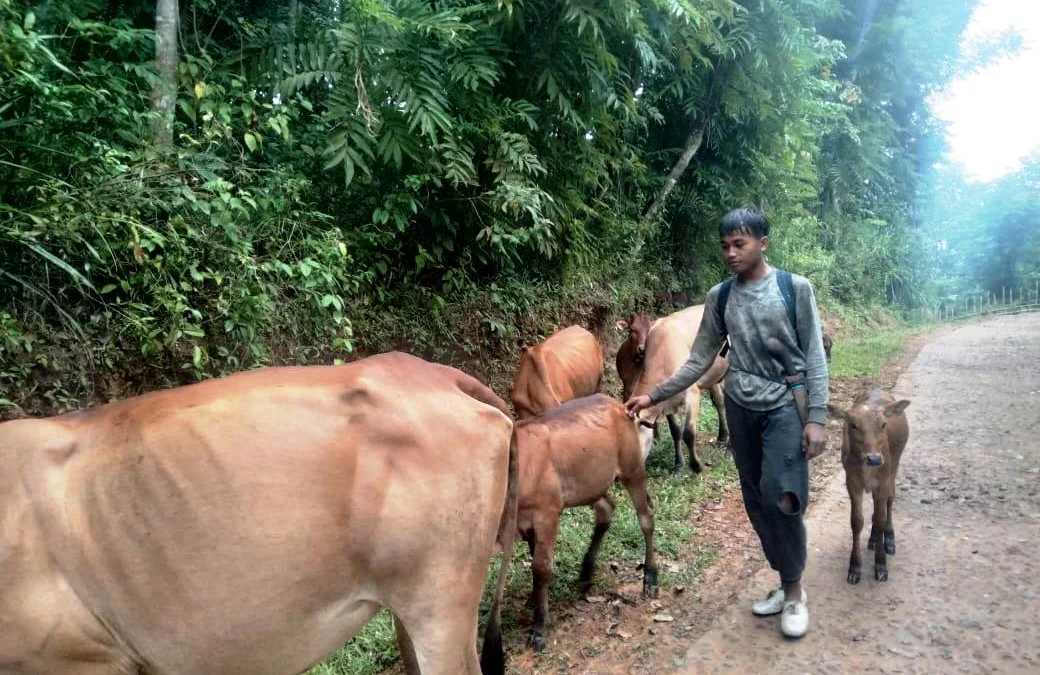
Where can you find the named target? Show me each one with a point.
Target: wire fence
(1008, 301)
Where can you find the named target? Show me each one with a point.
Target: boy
(771, 446)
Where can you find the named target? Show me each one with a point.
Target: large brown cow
(566, 365)
(651, 354)
(253, 524)
(569, 457)
(872, 442)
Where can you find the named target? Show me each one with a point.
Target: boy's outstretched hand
(814, 440)
(634, 405)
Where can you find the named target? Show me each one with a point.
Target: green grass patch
(865, 356)
(675, 498)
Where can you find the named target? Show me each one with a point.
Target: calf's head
(638, 328)
(868, 439)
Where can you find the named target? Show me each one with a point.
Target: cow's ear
(835, 411)
(621, 325)
(893, 409)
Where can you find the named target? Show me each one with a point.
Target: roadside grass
(865, 355)
(373, 650)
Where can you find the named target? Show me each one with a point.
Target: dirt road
(964, 588)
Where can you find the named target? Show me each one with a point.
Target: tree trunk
(164, 95)
(294, 13)
(693, 144)
(694, 141)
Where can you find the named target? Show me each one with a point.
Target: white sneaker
(771, 605)
(794, 622)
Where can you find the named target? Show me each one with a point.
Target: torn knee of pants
(789, 504)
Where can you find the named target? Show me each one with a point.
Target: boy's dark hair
(751, 221)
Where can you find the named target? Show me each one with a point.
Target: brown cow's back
(253, 523)
(567, 365)
(560, 442)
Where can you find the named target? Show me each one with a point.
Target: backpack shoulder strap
(786, 283)
(722, 300)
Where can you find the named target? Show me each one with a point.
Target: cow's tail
(492, 655)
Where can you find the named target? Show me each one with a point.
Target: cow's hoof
(679, 470)
(854, 575)
(890, 545)
(881, 572)
(584, 586)
(697, 467)
(536, 642)
(651, 590)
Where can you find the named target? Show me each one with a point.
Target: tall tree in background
(164, 94)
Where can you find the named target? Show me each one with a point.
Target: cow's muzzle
(640, 354)
(874, 460)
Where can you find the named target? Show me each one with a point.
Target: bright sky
(993, 115)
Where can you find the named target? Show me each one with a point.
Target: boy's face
(743, 251)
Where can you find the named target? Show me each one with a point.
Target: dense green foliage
(987, 235)
(451, 175)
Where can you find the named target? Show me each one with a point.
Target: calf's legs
(855, 560)
(604, 509)
(636, 486)
(544, 535)
(882, 534)
(879, 523)
(890, 531)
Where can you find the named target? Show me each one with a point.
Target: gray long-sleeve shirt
(756, 311)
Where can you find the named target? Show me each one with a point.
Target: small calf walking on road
(872, 442)
(570, 456)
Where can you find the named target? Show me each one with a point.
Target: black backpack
(783, 279)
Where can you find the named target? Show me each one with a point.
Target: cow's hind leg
(720, 410)
(529, 538)
(636, 486)
(856, 520)
(407, 649)
(677, 439)
(878, 524)
(604, 509)
(444, 641)
(541, 572)
(691, 414)
(890, 532)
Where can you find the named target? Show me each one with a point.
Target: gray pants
(767, 449)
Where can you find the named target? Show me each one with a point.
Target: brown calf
(872, 443)
(566, 365)
(568, 457)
